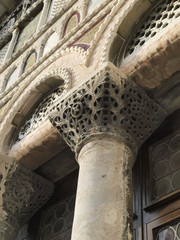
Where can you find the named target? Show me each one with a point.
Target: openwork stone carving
(159, 18)
(41, 113)
(22, 193)
(107, 103)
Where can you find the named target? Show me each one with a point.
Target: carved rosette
(108, 103)
(22, 193)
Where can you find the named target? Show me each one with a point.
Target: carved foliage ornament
(22, 193)
(107, 103)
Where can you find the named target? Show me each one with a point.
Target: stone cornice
(108, 103)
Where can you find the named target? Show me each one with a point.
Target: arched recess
(30, 60)
(71, 23)
(50, 43)
(158, 19)
(146, 42)
(127, 20)
(30, 98)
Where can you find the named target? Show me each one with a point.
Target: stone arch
(29, 61)
(29, 98)
(127, 17)
(71, 22)
(157, 60)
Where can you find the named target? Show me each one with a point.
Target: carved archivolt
(63, 74)
(22, 193)
(160, 17)
(46, 106)
(107, 103)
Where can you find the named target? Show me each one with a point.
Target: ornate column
(22, 193)
(105, 121)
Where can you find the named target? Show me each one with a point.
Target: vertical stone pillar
(104, 122)
(104, 195)
(22, 193)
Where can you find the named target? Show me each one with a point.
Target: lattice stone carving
(22, 193)
(41, 113)
(107, 103)
(159, 18)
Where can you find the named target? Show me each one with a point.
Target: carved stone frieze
(107, 103)
(22, 193)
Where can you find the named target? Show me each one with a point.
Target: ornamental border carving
(108, 103)
(83, 25)
(22, 193)
(16, 106)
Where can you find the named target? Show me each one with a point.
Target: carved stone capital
(22, 193)
(108, 103)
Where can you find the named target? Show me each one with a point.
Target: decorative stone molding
(45, 107)
(120, 12)
(160, 16)
(22, 193)
(60, 49)
(108, 103)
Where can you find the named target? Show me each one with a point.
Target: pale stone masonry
(97, 78)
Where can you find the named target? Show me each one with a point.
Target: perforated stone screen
(40, 114)
(159, 18)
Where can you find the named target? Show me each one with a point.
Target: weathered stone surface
(59, 166)
(107, 103)
(104, 121)
(103, 202)
(22, 193)
(32, 152)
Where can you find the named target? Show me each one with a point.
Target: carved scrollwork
(22, 193)
(107, 103)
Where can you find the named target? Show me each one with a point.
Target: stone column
(104, 122)
(22, 193)
(104, 198)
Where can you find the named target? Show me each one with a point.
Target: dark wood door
(157, 187)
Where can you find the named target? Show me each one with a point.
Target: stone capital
(22, 193)
(108, 103)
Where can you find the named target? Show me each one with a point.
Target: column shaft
(104, 196)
